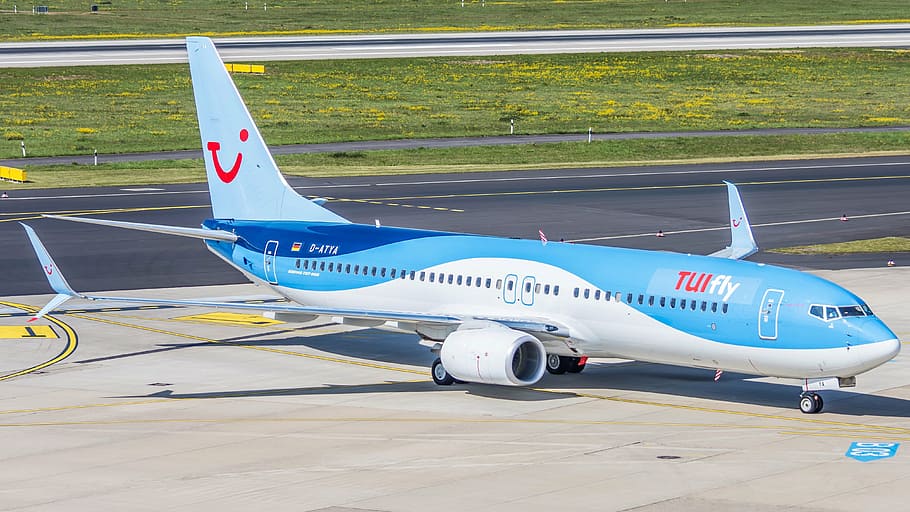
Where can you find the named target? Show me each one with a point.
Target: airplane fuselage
(652, 306)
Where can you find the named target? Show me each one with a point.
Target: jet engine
(493, 354)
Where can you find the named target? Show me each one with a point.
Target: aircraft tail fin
(244, 181)
(742, 243)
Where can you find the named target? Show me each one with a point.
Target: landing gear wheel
(811, 403)
(440, 376)
(557, 365)
(577, 364)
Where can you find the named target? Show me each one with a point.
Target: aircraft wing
(742, 243)
(65, 292)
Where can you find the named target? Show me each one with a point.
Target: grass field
(60, 111)
(889, 244)
(485, 158)
(123, 18)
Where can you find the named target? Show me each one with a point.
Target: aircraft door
(768, 313)
(509, 292)
(271, 250)
(527, 290)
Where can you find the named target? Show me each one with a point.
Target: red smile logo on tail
(227, 176)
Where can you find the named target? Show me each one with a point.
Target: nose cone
(877, 343)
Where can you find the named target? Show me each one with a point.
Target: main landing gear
(810, 403)
(558, 365)
(440, 376)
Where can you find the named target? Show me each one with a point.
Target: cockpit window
(817, 311)
(846, 311)
(867, 309)
(830, 313)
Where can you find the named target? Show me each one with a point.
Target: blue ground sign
(864, 452)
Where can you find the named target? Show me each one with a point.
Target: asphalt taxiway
(789, 203)
(177, 409)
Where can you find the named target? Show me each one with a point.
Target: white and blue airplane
(504, 311)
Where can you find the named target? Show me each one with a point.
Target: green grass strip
(874, 245)
(491, 158)
(116, 109)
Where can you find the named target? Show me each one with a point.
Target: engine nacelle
(493, 354)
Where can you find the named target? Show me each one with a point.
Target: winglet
(52, 273)
(742, 242)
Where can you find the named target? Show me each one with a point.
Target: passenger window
(618, 297)
(556, 290)
(641, 299)
(338, 268)
(575, 293)
(587, 293)
(537, 288)
(650, 300)
(450, 278)
(499, 284)
(393, 274)
(477, 282)
(297, 264)
(382, 272)
(322, 266)
(459, 279)
(663, 302)
(682, 303)
(413, 273)
(373, 271)
(509, 285)
(693, 304)
(714, 307)
(356, 269)
(347, 268)
(366, 270)
(726, 306)
(432, 277)
(629, 298)
(596, 294)
(488, 283)
(546, 289)
(673, 302)
(442, 278)
(306, 264)
(704, 306)
(331, 267)
(528, 287)
(423, 276)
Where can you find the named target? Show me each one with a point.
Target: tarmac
(137, 408)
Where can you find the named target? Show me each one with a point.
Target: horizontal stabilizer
(205, 234)
(742, 242)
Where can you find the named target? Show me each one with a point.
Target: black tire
(440, 376)
(557, 365)
(819, 403)
(574, 366)
(808, 404)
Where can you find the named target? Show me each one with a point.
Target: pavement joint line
(251, 347)
(72, 341)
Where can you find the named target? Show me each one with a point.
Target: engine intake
(493, 354)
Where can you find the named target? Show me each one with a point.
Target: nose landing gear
(810, 403)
